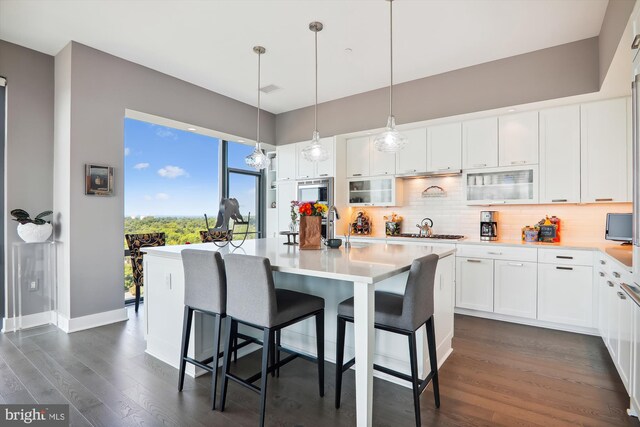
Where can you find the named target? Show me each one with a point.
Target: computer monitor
(619, 227)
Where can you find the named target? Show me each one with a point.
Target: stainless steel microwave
(316, 190)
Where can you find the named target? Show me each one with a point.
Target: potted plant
(311, 214)
(32, 230)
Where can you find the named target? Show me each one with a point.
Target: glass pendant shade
(315, 151)
(258, 159)
(390, 140)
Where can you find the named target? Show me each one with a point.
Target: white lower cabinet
(515, 288)
(603, 306)
(625, 307)
(474, 283)
(635, 371)
(565, 294)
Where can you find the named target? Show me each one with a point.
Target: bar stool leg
(186, 330)
(272, 353)
(278, 343)
(216, 349)
(267, 340)
(320, 349)
(137, 304)
(415, 381)
(235, 342)
(433, 359)
(339, 358)
(226, 359)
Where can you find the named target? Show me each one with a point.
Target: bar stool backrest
(417, 305)
(251, 295)
(205, 281)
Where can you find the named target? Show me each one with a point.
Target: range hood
(447, 172)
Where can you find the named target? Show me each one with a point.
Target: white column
(364, 340)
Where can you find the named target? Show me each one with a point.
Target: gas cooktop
(434, 236)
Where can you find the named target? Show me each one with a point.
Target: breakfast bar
(334, 274)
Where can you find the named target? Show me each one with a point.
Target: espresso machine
(489, 225)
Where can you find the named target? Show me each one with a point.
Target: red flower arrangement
(312, 209)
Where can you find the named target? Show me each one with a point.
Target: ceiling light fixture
(315, 151)
(258, 159)
(192, 129)
(390, 140)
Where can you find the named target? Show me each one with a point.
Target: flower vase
(293, 227)
(310, 232)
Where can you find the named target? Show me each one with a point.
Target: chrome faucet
(330, 222)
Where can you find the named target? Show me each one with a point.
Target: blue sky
(171, 172)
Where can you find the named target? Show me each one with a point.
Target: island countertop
(369, 263)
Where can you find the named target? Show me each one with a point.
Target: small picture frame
(98, 180)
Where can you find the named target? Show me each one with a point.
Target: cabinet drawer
(565, 257)
(498, 252)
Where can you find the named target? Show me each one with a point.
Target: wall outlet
(33, 285)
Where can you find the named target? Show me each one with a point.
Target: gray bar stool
(401, 314)
(253, 300)
(205, 291)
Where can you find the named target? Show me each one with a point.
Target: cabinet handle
(519, 162)
(616, 274)
(444, 169)
(479, 165)
(494, 253)
(621, 295)
(605, 200)
(602, 262)
(564, 257)
(558, 200)
(357, 174)
(636, 42)
(610, 283)
(324, 174)
(601, 274)
(564, 268)
(474, 260)
(516, 264)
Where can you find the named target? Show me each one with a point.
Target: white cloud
(147, 197)
(172, 172)
(165, 133)
(140, 166)
(127, 151)
(162, 196)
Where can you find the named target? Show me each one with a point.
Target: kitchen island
(334, 274)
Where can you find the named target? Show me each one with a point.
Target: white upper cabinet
(327, 167)
(287, 156)
(518, 139)
(307, 169)
(381, 163)
(605, 149)
(560, 155)
(358, 156)
(413, 157)
(444, 148)
(480, 143)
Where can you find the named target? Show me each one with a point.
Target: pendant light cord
(258, 135)
(316, 105)
(391, 62)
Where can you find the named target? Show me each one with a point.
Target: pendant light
(258, 159)
(315, 151)
(390, 140)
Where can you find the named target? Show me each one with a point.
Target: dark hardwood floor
(500, 374)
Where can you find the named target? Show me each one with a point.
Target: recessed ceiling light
(241, 140)
(511, 110)
(192, 129)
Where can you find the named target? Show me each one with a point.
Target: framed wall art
(98, 180)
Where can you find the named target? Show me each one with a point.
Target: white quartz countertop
(363, 262)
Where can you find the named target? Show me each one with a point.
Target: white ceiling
(209, 43)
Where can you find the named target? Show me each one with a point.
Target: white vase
(33, 233)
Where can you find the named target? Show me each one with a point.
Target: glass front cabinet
(381, 191)
(518, 185)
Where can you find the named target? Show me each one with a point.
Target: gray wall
(101, 88)
(613, 25)
(557, 72)
(29, 144)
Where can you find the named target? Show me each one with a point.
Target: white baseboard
(92, 320)
(529, 322)
(9, 324)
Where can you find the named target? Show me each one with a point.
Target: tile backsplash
(450, 214)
